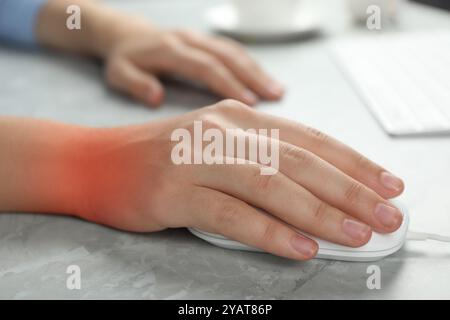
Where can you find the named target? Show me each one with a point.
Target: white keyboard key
(404, 80)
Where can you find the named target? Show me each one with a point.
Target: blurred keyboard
(404, 79)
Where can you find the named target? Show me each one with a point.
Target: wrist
(101, 27)
(66, 169)
(96, 167)
(112, 29)
(108, 170)
(97, 174)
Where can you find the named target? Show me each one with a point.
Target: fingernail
(355, 229)
(304, 246)
(387, 215)
(249, 97)
(389, 181)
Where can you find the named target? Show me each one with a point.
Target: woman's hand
(139, 55)
(322, 187)
(136, 53)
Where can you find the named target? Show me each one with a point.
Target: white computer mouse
(379, 246)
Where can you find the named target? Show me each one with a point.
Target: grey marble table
(35, 250)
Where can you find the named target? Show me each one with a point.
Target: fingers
(234, 57)
(285, 199)
(338, 189)
(200, 66)
(338, 154)
(325, 181)
(346, 159)
(220, 213)
(126, 77)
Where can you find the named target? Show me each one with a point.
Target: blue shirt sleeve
(18, 21)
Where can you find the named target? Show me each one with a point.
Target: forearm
(52, 167)
(100, 25)
(38, 170)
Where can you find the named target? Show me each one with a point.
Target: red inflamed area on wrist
(99, 168)
(75, 172)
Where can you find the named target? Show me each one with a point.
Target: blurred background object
(259, 14)
(264, 20)
(444, 4)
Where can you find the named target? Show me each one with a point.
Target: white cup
(361, 9)
(265, 14)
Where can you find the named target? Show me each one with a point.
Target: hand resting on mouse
(124, 177)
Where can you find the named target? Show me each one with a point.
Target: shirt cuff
(18, 20)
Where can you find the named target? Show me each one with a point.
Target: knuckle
(209, 65)
(232, 106)
(298, 155)
(269, 232)
(187, 34)
(169, 42)
(231, 43)
(319, 137)
(353, 192)
(364, 164)
(320, 213)
(207, 72)
(232, 48)
(228, 215)
(180, 32)
(263, 183)
(249, 64)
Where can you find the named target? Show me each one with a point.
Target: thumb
(128, 78)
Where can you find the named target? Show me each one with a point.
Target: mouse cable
(422, 236)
